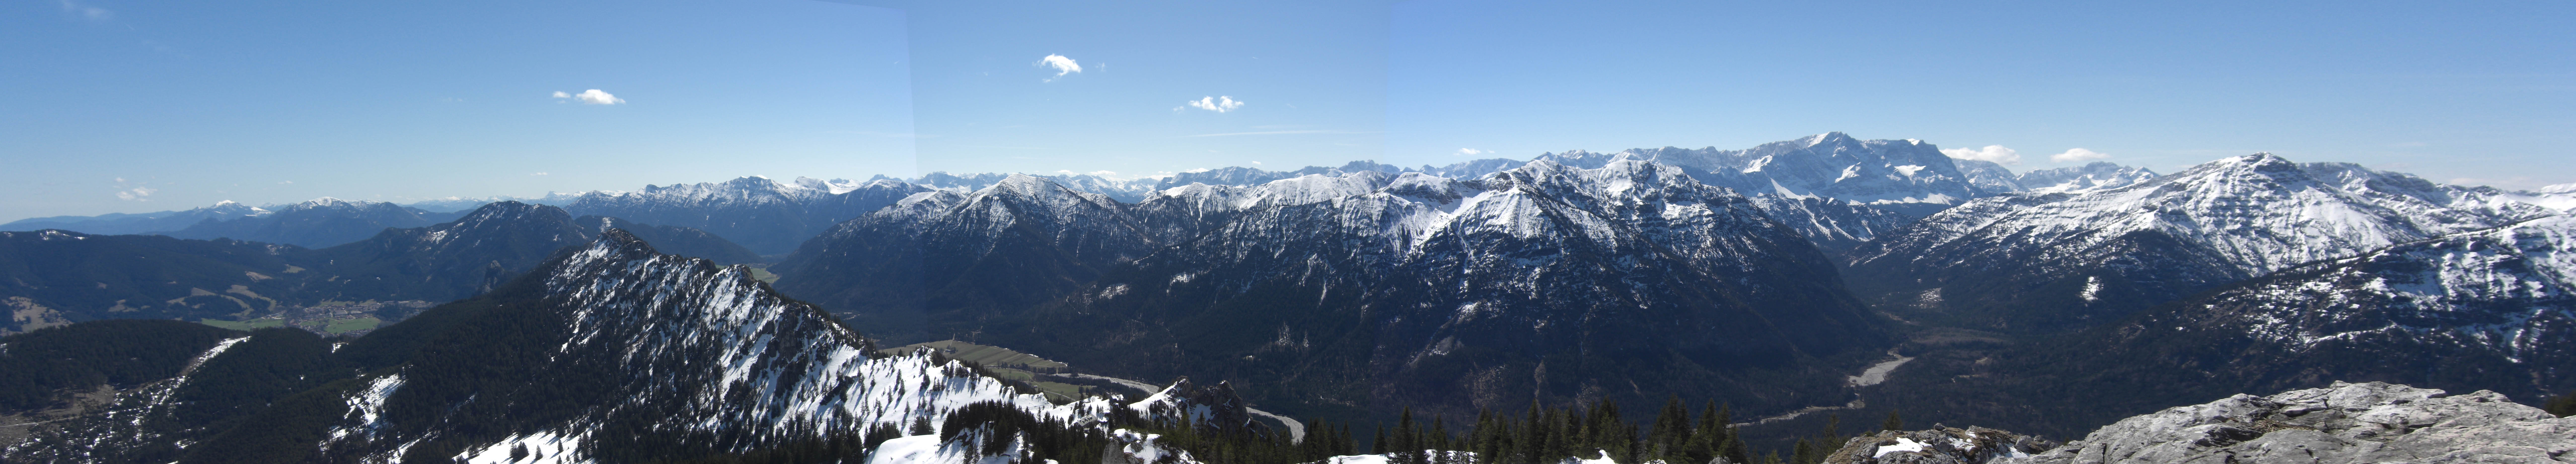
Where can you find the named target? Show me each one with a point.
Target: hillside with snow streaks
(2493, 308)
(1461, 287)
(607, 354)
(2219, 222)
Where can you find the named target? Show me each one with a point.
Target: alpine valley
(1737, 305)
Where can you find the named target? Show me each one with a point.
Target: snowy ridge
(765, 369)
(1830, 165)
(2258, 213)
(2506, 290)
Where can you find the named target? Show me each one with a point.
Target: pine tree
(1378, 445)
(1894, 423)
(1533, 443)
(1672, 427)
(1408, 439)
(1439, 434)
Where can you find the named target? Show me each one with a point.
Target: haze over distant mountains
(1797, 282)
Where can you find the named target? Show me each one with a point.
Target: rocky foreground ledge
(2343, 423)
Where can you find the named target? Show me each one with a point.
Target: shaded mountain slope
(2046, 262)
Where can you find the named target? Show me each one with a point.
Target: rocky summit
(2344, 423)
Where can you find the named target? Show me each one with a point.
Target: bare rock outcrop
(1945, 445)
(2343, 423)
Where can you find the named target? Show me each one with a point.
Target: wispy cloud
(1994, 153)
(136, 194)
(1285, 132)
(1218, 104)
(2078, 154)
(561, 94)
(1471, 152)
(538, 174)
(87, 12)
(1061, 64)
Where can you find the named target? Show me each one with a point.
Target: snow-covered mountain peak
(2218, 222)
(328, 203)
(1313, 188)
(2098, 175)
(1836, 137)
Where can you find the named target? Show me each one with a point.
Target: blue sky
(129, 106)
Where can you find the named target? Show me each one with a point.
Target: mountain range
(1795, 282)
(58, 277)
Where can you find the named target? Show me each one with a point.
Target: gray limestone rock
(2343, 423)
(1973, 445)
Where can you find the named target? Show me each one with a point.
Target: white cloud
(596, 97)
(1061, 64)
(1217, 104)
(561, 94)
(2078, 154)
(538, 174)
(90, 12)
(136, 194)
(1199, 170)
(1994, 153)
(1104, 173)
(1471, 152)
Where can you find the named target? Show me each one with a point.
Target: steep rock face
(764, 215)
(2343, 423)
(1542, 282)
(2043, 263)
(1019, 242)
(321, 222)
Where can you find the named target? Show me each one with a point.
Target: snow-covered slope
(2048, 261)
(2098, 175)
(1902, 174)
(2561, 197)
(619, 350)
(1127, 190)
